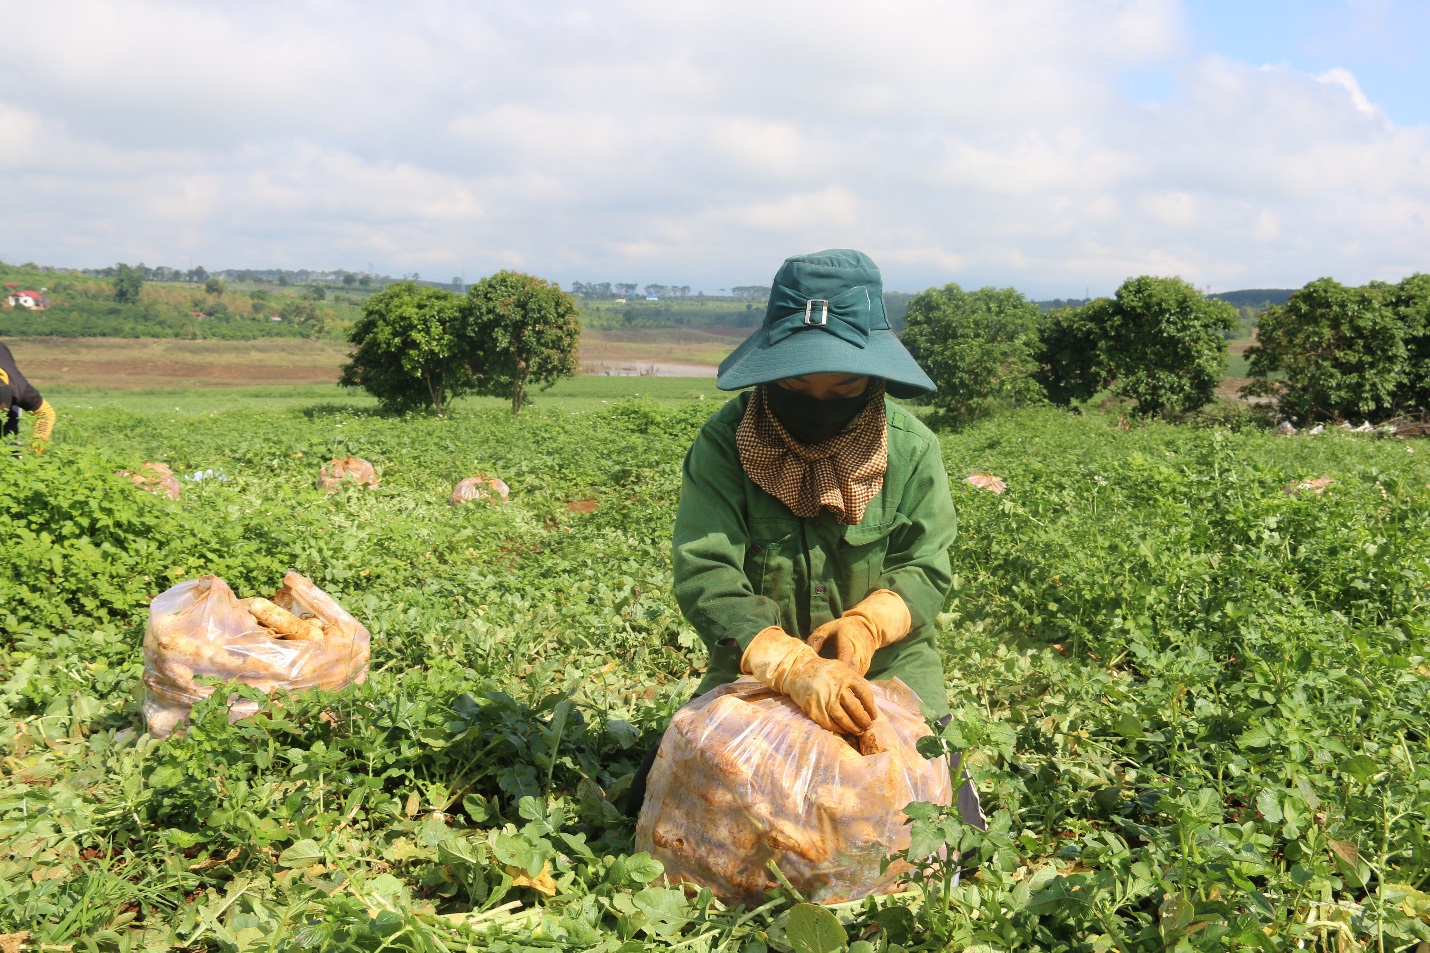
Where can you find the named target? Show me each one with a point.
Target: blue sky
(1051, 145)
(1382, 43)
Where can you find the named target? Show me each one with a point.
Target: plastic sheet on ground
(480, 487)
(155, 478)
(354, 471)
(986, 481)
(744, 777)
(200, 627)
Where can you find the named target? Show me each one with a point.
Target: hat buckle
(809, 312)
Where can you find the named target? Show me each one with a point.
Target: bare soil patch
(131, 364)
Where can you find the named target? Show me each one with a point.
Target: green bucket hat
(825, 316)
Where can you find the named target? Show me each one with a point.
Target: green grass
(580, 394)
(1194, 703)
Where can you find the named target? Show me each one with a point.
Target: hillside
(1259, 298)
(82, 305)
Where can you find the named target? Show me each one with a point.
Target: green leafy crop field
(1195, 704)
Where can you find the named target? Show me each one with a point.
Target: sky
(1055, 146)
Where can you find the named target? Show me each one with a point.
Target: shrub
(1158, 341)
(977, 346)
(1338, 352)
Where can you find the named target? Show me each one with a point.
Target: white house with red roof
(28, 299)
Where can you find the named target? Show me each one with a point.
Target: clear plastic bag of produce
(480, 487)
(354, 471)
(299, 638)
(744, 777)
(154, 478)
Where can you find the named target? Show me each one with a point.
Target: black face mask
(809, 419)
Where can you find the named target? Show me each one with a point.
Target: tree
(525, 331)
(128, 280)
(1333, 351)
(214, 285)
(1069, 366)
(409, 352)
(364, 281)
(1158, 341)
(977, 346)
(349, 279)
(1411, 302)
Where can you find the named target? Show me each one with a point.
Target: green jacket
(744, 561)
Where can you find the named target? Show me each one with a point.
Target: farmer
(17, 394)
(812, 536)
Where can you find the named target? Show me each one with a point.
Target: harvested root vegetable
(154, 478)
(283, 622)
(354, 471)
(480, 487)
(743, 777)
(200, 628)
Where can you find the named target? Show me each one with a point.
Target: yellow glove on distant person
(831, 693)
(44, 426)
(881, 619)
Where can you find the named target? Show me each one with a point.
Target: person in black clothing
(18, 394)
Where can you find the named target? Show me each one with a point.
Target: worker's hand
(44, 425)
(853, 641)
(881, 619)
(831, 693)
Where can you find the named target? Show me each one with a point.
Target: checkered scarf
(841, 474)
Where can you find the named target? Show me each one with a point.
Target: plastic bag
(480, 487)
(154, 478)
(200, 627)
(744, 777)
(355, 470)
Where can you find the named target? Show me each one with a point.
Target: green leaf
(642, 868)
(1258, 737)
(1175, 915)
(516, 851)
(813, 929)
(1360, 767)
(667, 909)
(922, 811)
(1269, 806)
(476, 807)
(461, 851)
(304, 853)
(1128, 726)
(925, 837)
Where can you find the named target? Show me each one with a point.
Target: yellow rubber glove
(881, 619)
(44, 426)
(829, 692)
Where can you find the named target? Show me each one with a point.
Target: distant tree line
(122, 301)
(1329, 352)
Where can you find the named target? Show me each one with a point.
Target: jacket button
(755, 548)
(819, 589)
(815, 524)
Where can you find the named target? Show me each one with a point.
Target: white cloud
(696, 143)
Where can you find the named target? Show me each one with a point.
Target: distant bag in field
(480, 487)
(987, 481)
(743, 777)
(300, 638)
(352, 470)
(154, 478)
